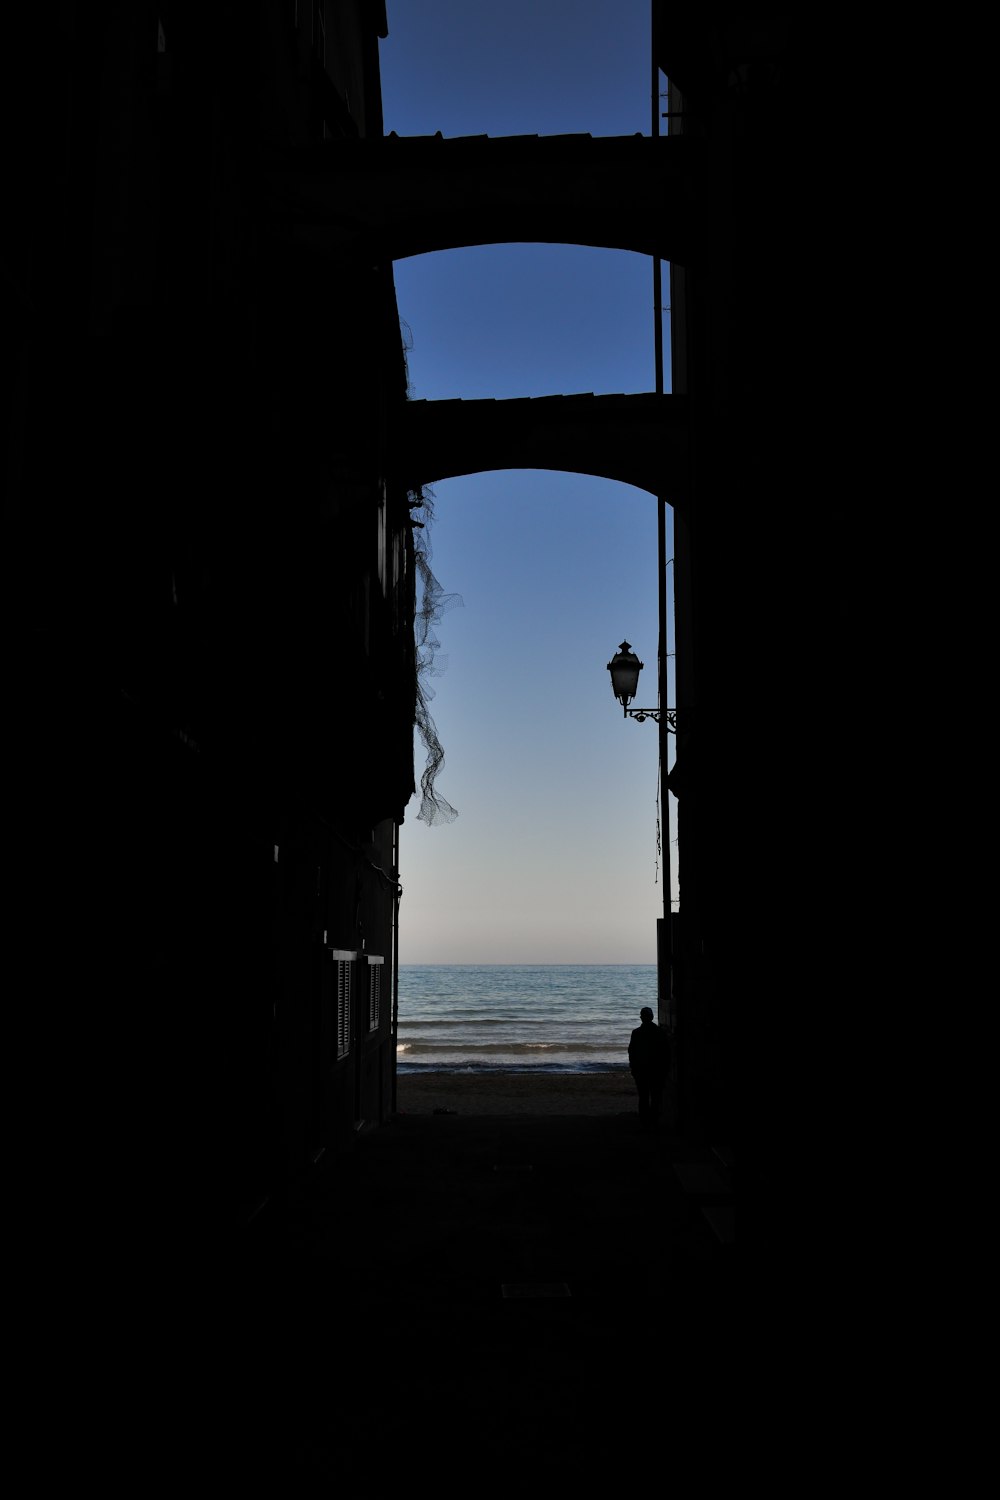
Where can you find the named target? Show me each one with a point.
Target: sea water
(520, 1018)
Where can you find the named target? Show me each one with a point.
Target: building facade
(211, 612)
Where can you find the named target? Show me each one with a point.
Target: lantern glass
(624, 667)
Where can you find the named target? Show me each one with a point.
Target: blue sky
(552, 858)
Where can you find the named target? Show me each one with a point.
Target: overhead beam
(395, 197)
(636, 439)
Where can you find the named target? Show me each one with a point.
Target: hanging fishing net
(431, 603)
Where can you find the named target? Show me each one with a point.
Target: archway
(553, 855)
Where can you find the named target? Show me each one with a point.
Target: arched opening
(556, 857)
(493, 322)
(553, 855)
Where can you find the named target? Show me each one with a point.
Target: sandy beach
(516, 1093)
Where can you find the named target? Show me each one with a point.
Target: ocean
(520, 1018)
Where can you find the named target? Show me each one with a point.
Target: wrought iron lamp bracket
(669, 714)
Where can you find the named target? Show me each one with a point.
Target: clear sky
(553, 856)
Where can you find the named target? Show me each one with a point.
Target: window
(343, 973)
(343, 1008)
(382, 544)
(374, 991)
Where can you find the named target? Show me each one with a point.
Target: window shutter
(343, 964)
(343, 1008)
(374, 990)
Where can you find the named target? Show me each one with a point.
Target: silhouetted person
(649, 1064)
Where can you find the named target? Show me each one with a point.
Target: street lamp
(625, 667)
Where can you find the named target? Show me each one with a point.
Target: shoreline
(497, 1093)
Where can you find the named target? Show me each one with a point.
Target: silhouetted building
(213, 678)
(211, 602)
(765, 574)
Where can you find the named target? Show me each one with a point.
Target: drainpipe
(664, 948)
(395, 960)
